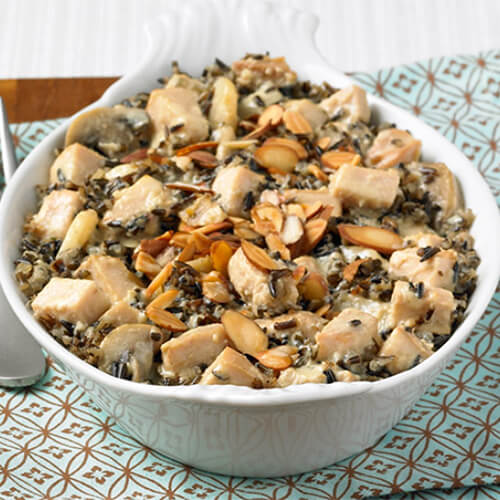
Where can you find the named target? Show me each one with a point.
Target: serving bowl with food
(252, 265)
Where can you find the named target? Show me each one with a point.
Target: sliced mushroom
(114, 132)
(127, 351)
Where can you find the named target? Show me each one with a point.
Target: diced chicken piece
(199, 346)
(76, 164)
(180, 80)
(56, 214)
(406, 349)
(172, 107)
(310, 196)
(365, 187)
(432, 310)
(393, 146)
(352, 332)
(424, 240)
(224, 108)
(251, 72)
(202, 211)
(232, 185)
(436, 271)
(253, 286)
(231, 367)
(345, 375)
(351, 100)
(313, 113)
(442, 187)
(66, 299)
(310, 263)
(122, 313)
(310, 373)
(139, 199)
(110, 275)
(304, 322)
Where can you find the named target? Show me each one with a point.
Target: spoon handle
(9, 160)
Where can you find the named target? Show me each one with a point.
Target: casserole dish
(236, 430)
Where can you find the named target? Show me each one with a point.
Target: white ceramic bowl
(237, 430)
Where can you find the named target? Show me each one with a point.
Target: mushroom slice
(114, 132)
(127, 351)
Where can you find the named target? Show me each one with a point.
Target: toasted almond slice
(185, 228)
(299, 273)
(195, 147)
(181, 240)
(296, 123)
(239, 144)
(202, 243)
(156, 158)
(274, 243)
(311, 210)
(187, 252)
(190, 188)
(145, 263)
(278, 358)
(214, 288)
(165, 319)
(382, 240)
(325, 213)
(254, 134)
(245, 333)
(351, 269)
(317, 172)
(220, 252)
(164, 300)
(295, 209)
(324, 143)
(277, 157)
(259, 257)
(138, 154)
(159, 279)
(245, 233)
(211, 228)
(323, 310)
(203, 159)
(313, 287)
(272, 115)
(314, 230)
(292, 230)
(290, 143)
(201, 264)
(335, 159)
(271, 213)
(247, 125)
(156, 245)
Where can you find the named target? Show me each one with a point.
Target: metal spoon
(21, 360)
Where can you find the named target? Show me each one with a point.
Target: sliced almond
(259, 257)
(246, 233)
(165, 319)
(295, 209)
(187, 252)
(277, 157)
(382, 240)
(159, 279)
(323, 310)
(211, 228)
(138, 154)
(181, 240)
(314, 230)
(313, 287)
(351, 269)
(270, 213)
(313, 209)
(326, 212)
(277, 358)
(292, 230)
(156, 245)
(203, 159)
(324, 143)
(289, 143)
(335, 159)
(296, 123)
(245, 333)
(201, 264)
(239, 144)
(220, 253)
(317, 172)
(145, 263)
(202, 243)
(164, 300)
(185, 228)
(190, 188)
(272, 116)
(299, 273)
(214, 288)
(274, 243)
(196, 147)
(254, 134)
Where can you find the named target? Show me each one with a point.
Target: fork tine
(9, 160)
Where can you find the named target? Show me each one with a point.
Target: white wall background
(40, 38)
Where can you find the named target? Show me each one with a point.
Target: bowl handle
(201, 30)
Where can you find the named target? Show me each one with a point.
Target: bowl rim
(236, 395)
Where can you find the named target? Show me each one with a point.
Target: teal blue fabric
(55, 443)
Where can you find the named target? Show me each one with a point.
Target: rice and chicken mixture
(246, 228)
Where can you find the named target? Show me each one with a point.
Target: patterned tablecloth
(54, 443)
